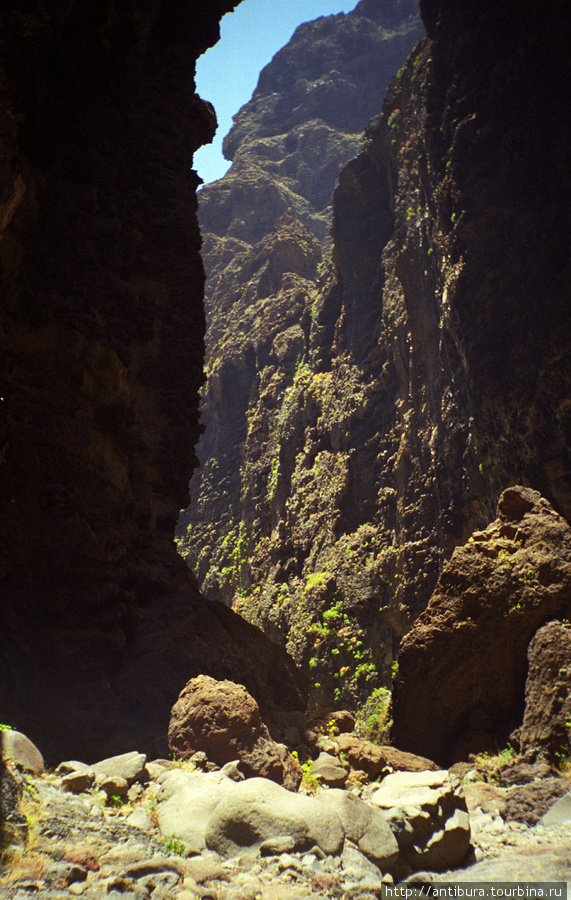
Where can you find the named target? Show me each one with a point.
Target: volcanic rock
(373, 759)
(101, 363)
(462, 668)
(221, 719)
(546, 727)
(425, 371)
(266, 228)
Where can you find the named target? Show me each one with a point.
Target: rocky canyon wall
(102, 336)
(365, 412)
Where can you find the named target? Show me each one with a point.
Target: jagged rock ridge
(403, 389)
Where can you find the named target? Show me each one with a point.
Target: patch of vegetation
(173, 845)
(308, 780)
(316, 579)
(490, 765)
(373, 719)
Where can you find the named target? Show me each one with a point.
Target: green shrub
(373, 719)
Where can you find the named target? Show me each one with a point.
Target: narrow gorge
(387, 354)
(346, 665)
(367, 402)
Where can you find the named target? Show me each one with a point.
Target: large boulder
(186, 801)
(545, 730)
(462, 668)
(130, 766)
(258, 810)
(19, 748)
(428, 814)
(364, 825)
(373, 759)
(221, 719)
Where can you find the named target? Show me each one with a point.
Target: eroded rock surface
(220, 719)
(428, 813)
(270, 499)
(379, 411)
(546, 727)
(462, 668)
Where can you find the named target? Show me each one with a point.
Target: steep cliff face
(399, 391)
(102, 350)
(276, 473)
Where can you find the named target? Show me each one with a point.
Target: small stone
(83, 856)
(155, 769)
(113, 785)
(73, 765)
(130, 766)
(232, 771)
(286, 861)
(199, 760)
(134, 792)
(276, 846)
(77, 782)
(139, 818)
(328, 770)
(204, 868)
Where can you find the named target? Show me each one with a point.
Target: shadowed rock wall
(101, 334)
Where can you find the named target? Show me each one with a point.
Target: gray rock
(328, 770)
(19, 748)
(73, 765)
(559, 813)
(257, 809)
(139, 818)
(77, 782)
(135, 792)
(205, 867)
(538, 862)
(365, 825)
(357, 865)
(185, 803)
(232, 770)
(153, 865)
(130, 766)
(287, 861)
(275, 846)
(428, 815)
(113, 785)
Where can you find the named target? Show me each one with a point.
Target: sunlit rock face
(102, 329)
(364, 421)
(275, 472)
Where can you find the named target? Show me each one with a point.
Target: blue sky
(227, 74)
